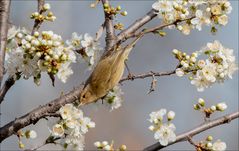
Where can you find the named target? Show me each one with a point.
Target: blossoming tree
(30, 53)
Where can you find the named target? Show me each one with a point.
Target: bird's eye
(84, 96)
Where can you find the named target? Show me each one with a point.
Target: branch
(11, 81)
(145, 75)
(41, 112)
(7, 85)
(50, 108)
(136, 25)
(197, 130)
(4, 16)
(159, 27)
(38, 23)
(110, 33)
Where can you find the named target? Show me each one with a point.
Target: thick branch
(197, 130)
(4, 15)
(7, 85)
(38, 113)
(110, 33)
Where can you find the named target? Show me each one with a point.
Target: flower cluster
(71, 127)
(195, 14)
(208, 145)
(29, 55)
(86, 46)
(209, 110)
(219, 66)
(164, 132)
(27, 134)
(40, 17)
(113, 99)
(108, 147)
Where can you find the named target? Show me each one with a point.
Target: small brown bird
(106, 74)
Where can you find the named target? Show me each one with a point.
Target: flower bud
(107, 148)
(38, 54)
(123, 148)
(47, 57)
(221, 106)
(209, 138)
(201, 102)
(36, 34)
(97, 144)
(124, 13)
(46, 6)
(209, 145)
(213, 108)
(118, 8)
(106, 5)
(104, 143)
(170, 115)
(21, 145)
(151, 128)
(196, 107)
(175, 51)
(179, 27)
(19, 35)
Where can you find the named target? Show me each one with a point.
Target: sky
(129, 124)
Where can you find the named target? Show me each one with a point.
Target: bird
(106, 74)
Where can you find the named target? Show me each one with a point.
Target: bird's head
(87, 95)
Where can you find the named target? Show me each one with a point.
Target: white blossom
(66, 111)
(179, 72)
(57, 130)
(219, 146)
(32, 134)
(157, 116)
(171, 115)
(64, 72)
(221, 106)
(113, 100)
(165, 134)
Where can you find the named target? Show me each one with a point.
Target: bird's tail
(130, 46)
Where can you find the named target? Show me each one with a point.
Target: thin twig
(149, 74)
(159, 27)
(153, 84)
(4, 17)
(100, 32)
(197, 130)
(38, 23)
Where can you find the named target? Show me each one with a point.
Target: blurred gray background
(128, 125)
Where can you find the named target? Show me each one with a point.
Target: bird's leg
(130, 76)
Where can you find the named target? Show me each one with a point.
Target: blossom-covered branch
(51, 107)
(4, 15)
(36, 114)
(197, 130)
